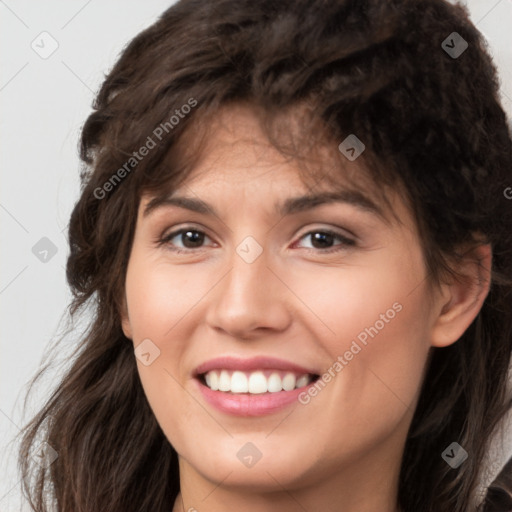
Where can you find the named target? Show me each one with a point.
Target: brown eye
(323, 240)
(189, 238)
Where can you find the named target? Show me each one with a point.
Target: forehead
(233, 150)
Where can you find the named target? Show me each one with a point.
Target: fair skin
(342, 450)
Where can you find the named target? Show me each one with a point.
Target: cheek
(160, 294)
(159, 298)
(374, 318)
(153, 309)
(380, 295)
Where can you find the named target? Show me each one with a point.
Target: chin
(241, 464)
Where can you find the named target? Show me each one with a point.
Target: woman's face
(261, 297)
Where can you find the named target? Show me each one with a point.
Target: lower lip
(245, 404)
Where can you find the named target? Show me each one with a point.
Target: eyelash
(346, 242)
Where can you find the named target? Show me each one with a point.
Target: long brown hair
(431, 122)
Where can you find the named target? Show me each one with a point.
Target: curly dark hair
(432, 124)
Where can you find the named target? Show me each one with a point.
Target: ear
(460, 301)
(125, 319)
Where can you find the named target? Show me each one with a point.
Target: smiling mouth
(255, 382)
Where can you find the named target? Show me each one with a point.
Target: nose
(250, 300)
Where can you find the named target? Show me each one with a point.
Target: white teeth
(224, 381)
(274, 383)
(255, 382)
(301, 381)
(214, 381)
(289, 382)
(239, 383)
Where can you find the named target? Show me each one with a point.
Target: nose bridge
(249, 296)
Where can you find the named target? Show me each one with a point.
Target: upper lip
(254, 363)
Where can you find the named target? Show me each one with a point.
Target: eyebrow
(290, 206)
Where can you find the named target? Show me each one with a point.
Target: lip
(254, 363)
(246, 404)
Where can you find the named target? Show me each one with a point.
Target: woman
(228, 365)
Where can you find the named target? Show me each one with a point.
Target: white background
(43, 103)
